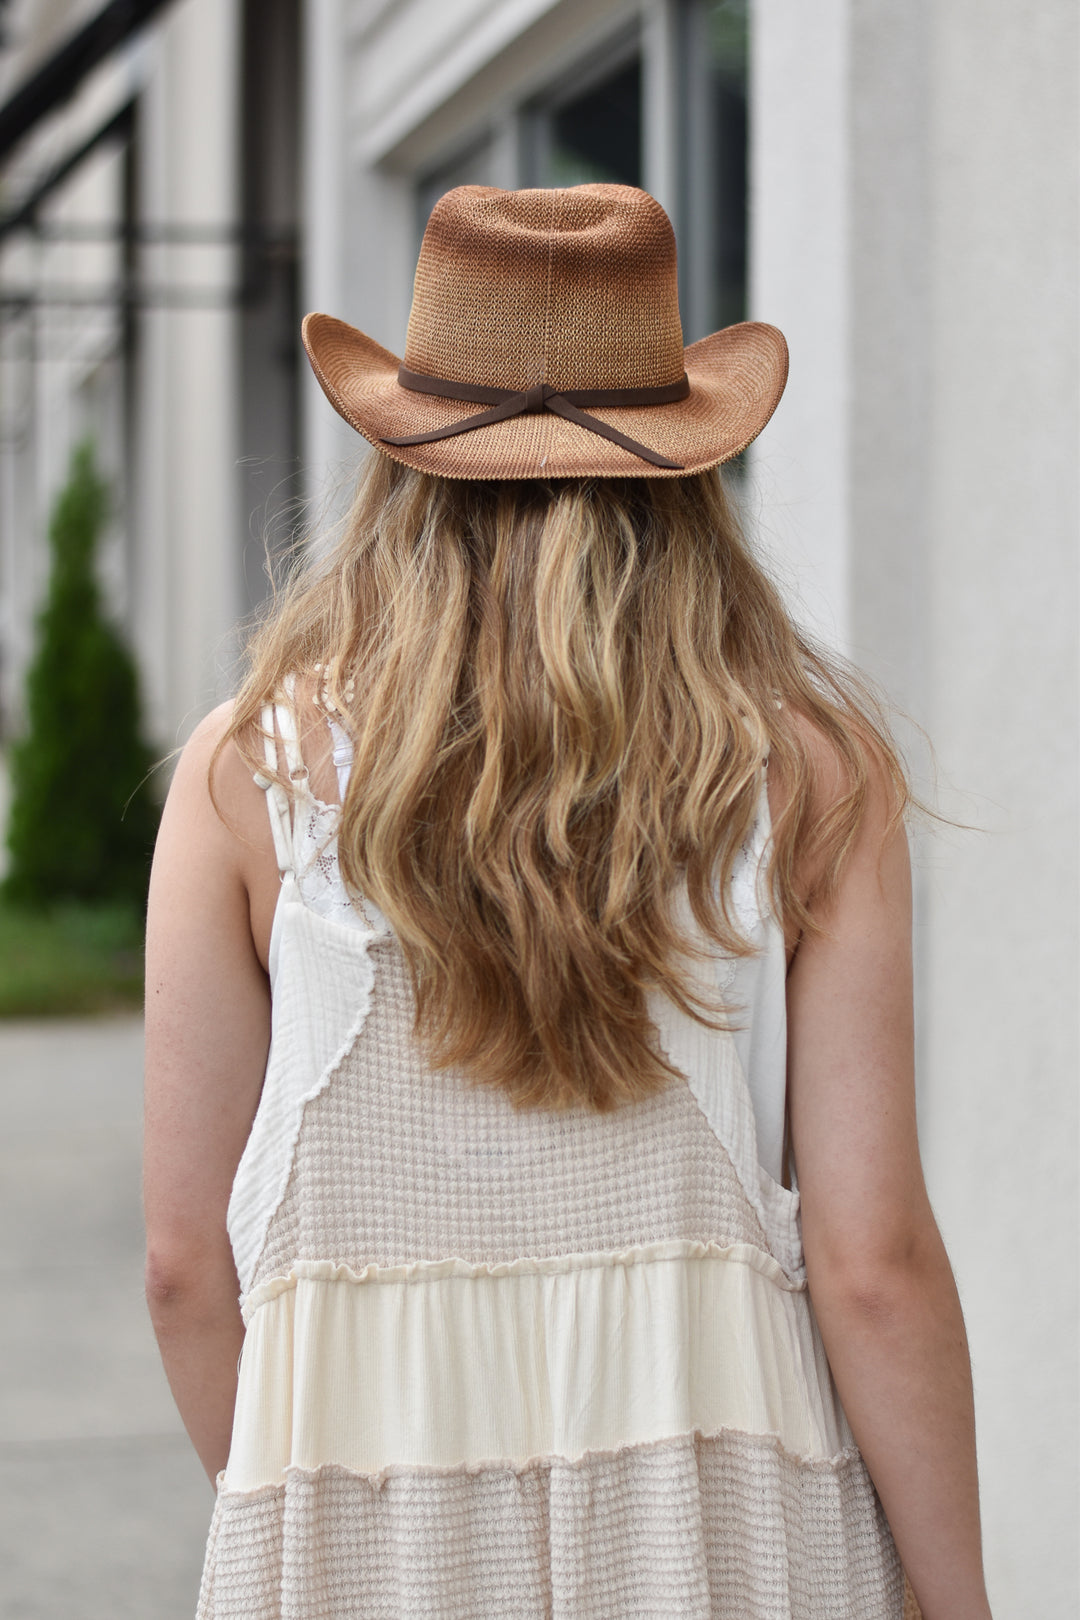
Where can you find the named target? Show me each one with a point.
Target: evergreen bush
(83, 816)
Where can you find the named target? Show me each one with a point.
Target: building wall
(800, 281)
(916, 209)
(1002, 1074)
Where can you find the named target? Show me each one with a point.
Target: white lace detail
(317, 875)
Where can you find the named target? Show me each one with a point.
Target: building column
(188, 520)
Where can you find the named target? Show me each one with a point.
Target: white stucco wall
(328, 443)
(800, 281)
(1001, 1098)
(915, 233)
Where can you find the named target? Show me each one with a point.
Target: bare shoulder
(214, 806)
(209, 747)
(827, 785)
(829, 774)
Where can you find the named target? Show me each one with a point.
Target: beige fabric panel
(685, 1529)
(415, 1364)
(396, 1163)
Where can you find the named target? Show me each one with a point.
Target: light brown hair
(560, 697)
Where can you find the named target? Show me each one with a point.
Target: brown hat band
(507, 402)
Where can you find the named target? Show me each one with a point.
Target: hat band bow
(567, 403)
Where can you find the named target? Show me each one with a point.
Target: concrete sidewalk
(104, 1507)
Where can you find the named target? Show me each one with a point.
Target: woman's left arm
(879, 1277)
(207, 1037)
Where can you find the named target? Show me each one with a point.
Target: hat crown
(576, 287)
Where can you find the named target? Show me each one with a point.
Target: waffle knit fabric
(502, 1363)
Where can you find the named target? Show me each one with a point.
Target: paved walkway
(104, 1507)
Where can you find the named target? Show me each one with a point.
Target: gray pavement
(104, 1507)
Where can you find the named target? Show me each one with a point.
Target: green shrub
(83, 816)
(72, 959)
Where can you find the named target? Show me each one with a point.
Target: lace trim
(318, 877)
(846, 1457)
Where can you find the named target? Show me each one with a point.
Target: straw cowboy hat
(557, 313)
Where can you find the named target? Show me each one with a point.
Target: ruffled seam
(422, 1271)
(845, 1458)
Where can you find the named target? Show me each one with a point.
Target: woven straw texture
(575, 287)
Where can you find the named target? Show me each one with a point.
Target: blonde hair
(560, 697)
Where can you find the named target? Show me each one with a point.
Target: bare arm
(879, 1277)
(207, 1035)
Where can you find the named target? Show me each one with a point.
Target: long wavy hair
(560, 697)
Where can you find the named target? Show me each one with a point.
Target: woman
(579, 923)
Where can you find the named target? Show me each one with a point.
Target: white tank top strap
(278, 719)
(285, 714)
(343, 755)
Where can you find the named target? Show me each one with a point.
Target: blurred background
(894, 184)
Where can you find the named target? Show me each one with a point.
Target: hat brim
(736, 379)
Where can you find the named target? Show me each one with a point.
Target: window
(589, 127)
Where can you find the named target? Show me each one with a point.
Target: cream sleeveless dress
(505, 1365)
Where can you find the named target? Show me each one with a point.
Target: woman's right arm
(207, 1035)
(879, 1278)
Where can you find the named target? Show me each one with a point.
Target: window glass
(597, 135)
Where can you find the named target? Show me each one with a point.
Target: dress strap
(286, 720)
(277, 719)
(343, 756)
